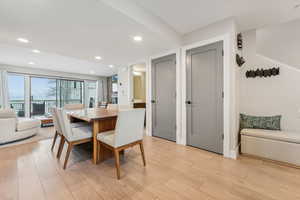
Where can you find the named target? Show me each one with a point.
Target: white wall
(269, 96)
(224, 30)
(124, 86)
(285, 36)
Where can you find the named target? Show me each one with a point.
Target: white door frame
(178, 92)
(226, 89)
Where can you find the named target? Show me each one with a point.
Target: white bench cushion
(273, 135)
(27, 123)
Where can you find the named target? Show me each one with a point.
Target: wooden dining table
(100, 119)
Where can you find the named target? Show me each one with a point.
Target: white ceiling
(188, 15)
(280, 43)
(74, 28)
(70, 33)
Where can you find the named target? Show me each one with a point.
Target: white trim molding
(178, 92)
(227, 64)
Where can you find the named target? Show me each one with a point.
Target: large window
(91, 93)
(43, 96)
(69, 92)
(34, 96)
(16, 92)
(114, 88)
(47, 93)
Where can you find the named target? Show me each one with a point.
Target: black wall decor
(240, 41)
(239, 60)
(262, 72)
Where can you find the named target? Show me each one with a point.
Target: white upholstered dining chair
(119, 107)
(112, 107)
(57, 127)
(129, 132)
(72, 135)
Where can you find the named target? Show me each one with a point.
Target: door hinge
(223, 95)
(222, 52)
(222, 136)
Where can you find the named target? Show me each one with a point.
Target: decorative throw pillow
(269, 123)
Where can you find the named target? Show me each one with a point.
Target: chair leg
(54, 140)
(61, 146)
(143, 153)
(70, 146)
(98, 149)
(117, 162)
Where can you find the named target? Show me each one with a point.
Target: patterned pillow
(269, 123)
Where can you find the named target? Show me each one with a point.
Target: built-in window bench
(280, 146)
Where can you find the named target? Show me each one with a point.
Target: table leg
(95, 149)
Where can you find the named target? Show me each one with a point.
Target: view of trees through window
(46, 93)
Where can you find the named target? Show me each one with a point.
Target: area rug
(44, 133)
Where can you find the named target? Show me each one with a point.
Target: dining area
(110, 130)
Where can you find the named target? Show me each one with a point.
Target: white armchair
(15, 129)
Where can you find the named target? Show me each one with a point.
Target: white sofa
(14, 129)
(274, 145)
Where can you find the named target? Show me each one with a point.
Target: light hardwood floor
(31, 171)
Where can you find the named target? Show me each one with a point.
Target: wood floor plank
(32, 171)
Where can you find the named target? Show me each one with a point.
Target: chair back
(112, 107)
(56, 122)
(7, 113)
(125, 107)
(74, 107)
(64, 123)
(130, 126)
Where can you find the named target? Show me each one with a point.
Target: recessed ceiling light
(23, 40)
(111, 66)
(36, 51)
(138, 38)
(92, 72)
(31, 63)
(98, 57)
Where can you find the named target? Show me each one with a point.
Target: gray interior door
(164, 97)
(205, 97)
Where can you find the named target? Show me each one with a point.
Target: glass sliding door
(43, 96)
(69, 92)
(16, 91)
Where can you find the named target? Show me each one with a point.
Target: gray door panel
(204, 90)
(164, 96)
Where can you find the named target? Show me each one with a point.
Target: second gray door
(164, 97)
(205, 97)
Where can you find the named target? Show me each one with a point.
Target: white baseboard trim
(234, 154)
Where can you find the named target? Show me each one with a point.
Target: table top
(91, 114)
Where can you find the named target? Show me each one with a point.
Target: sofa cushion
(285, 136)
(27, 123)
(7, 113)
(258, 122)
